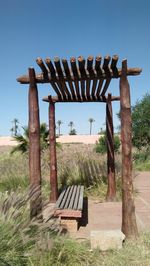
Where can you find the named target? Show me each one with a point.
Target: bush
(101, 145)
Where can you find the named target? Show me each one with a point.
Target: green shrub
(142, 159)
(101, 145)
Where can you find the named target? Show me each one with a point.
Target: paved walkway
(108, 215)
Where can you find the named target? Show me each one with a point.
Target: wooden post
(53, 161)
(129, 226)
(34, 148)
(111, 190)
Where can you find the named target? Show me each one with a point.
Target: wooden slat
(42, 66)
(106, 66)
(97, 65)
(99, 87)
(94, 87)
(114, 65)
(65, 198)
(88, 83)
(76, 74)
(83, 89)
(77, 198)
(114, 61)
(58, 202)
(61, 88)
(90, 64)
(73, 198)
(56, 89)
(68, 74)
(61, 84)
(107, 82)
(80, 203)
(81, 63)
(58, 67)
(107, 59)
(69, 198)
(51, 67)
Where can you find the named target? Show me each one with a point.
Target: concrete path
(108, 215)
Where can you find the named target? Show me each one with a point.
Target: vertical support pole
(129, 226)
(111, 190)
(34, 147)
(53, 160)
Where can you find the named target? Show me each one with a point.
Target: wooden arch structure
(83, 81)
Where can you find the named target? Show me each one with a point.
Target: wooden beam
(34, 147)
(51, 68)
(94, 85)
(98, 69)
(55, 99)
(111, 189)
(53, 75)
(99, 87)
(129, 226)
(41, 79)
(76, 74)
(56, 89)
(42, 66)
(113, 65)
(106, 85)
(68, 74)
(61, 83)
(53, 160)
(81, 63)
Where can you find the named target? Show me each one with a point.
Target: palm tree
(23, 140)
(71, 124)
(59, 123)
(15, 127)
(91, 120)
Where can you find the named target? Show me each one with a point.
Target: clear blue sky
(64, 28)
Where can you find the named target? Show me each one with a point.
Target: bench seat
(70, 202)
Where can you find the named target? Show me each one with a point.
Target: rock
(107, 239)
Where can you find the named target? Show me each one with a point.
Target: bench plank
(72, 198)
(69, 197)
(80, 203)
(65, 198)
(75, 206)
(60, 198)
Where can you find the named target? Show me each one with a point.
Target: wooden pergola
(83, 81)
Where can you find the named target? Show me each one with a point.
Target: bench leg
(70, 224)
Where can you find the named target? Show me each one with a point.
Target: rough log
(98, 69)
(51, 68)
(99, 87)
(34, 148)
(106, 85)
(67, 73)
(52, 145)
(76, 74)
(56, 99)
(42, 66)
(111, 189)
(41, 79)
(129, 226)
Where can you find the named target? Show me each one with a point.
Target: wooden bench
(69, 207)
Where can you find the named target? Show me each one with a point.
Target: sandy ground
(7, 141)
(86, 139)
